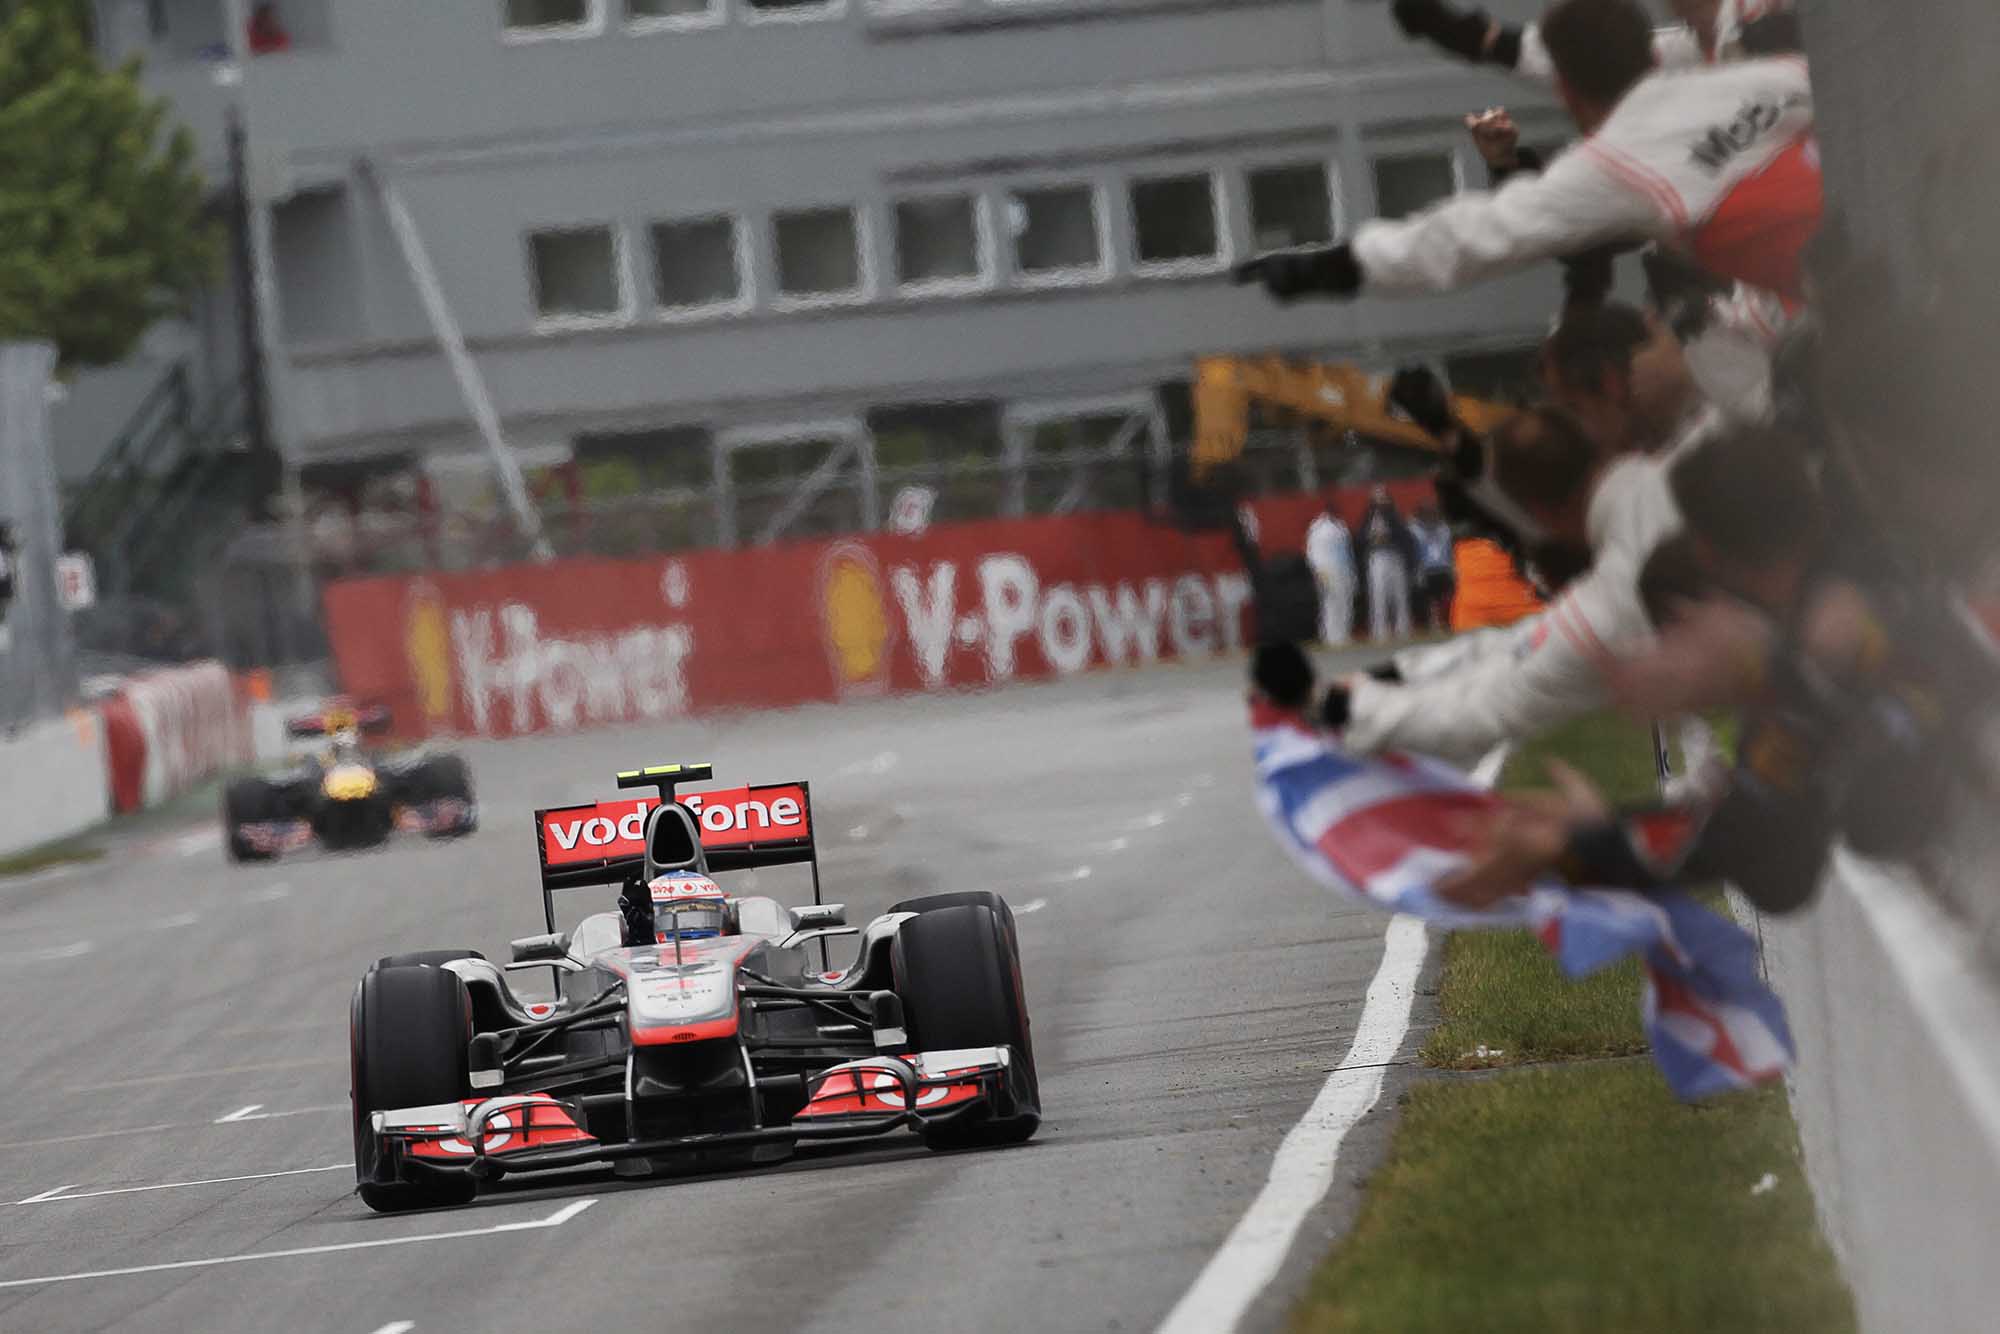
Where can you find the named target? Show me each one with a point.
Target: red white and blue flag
(1385, 831)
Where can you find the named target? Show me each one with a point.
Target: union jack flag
(1385, 831)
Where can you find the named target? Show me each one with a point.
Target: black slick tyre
(425, 958)
(964, 898)
(447, 778)
(407, 1031)
(959, 978)
(247, 801)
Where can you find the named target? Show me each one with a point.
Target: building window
(1409, 183)
(1056, 232)
(818, 251)
(575, 272)
(1174, 222)
(549, 18)
(782, 11)
(938, 244)
(1290, 206)
(697, 264)
(647, 14)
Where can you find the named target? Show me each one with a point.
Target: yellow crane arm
(1344, 397)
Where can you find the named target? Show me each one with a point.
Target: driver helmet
(688, 905)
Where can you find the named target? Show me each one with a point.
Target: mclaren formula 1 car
(691, 1028)
(344, 797)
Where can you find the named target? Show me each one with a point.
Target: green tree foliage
(102, 228)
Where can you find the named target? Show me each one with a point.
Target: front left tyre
(408, 1029)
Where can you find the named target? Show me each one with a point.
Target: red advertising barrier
(532, 648)
(192, 726)
(125, 753)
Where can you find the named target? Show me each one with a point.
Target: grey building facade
(733, 241)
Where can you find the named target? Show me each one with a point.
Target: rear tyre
(959, 978)
(407, 1030)
(247, 801)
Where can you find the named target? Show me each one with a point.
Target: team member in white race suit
(1709, 31)
(1719, 160)
(1593, 476)
(1330, 553)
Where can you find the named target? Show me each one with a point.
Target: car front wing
(496, 1136)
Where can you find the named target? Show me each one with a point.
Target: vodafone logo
(499, 1122)
(615, 823)
(888, 1090)
(746, 813)
(732, 818)
(685, 885)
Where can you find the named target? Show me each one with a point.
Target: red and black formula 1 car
(345, 796)
(691, 1028)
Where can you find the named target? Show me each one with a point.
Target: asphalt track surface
(173, 1020)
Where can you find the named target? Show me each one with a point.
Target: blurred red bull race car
(342, 796)
(691, 1028)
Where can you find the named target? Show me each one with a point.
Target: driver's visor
(688, 919)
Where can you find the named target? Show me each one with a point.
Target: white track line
(57, 1196)
(556, 1219)
(397, 1327)
(1302, 1170)
(240, 1114)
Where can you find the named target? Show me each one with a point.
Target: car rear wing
(604, 842)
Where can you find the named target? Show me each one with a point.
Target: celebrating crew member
(1719, 160)
(1709, 31)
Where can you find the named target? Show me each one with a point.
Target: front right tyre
(958, 975)
(408, 1030)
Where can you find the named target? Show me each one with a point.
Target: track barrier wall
(1897, 1094)
(532, 648)
(54, 774)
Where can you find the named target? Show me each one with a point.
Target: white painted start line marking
(250, 1068)
(397, 1327)
(76, 949)
(251, 1113)
(1068, 877)
(1302, 1170)
(270, 893)
(200, 841)
(880, 764)
(1032, 905)
(175, 922)
(556, 1219)
(171, 1125)
(61, 1195)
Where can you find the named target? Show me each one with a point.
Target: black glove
(1681, 291)
(1284, 673)
(1459, 31)
(1387, 672)
(1289, 275)
(635, 906)
(1335, 709)
(1422, 397)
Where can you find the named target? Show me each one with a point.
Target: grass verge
(49, 854)
(1582, 1199)
(1578, 1198)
